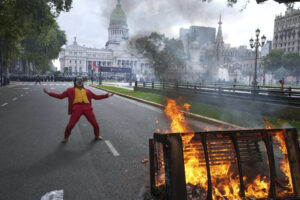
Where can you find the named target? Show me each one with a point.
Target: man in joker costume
(80, 103)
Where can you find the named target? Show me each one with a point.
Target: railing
(288, 95)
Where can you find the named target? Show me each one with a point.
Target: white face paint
(78, 82)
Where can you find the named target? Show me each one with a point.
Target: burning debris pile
(231, 164)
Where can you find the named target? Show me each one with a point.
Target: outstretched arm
(59, 96)
(101, 96)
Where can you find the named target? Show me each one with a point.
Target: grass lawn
(244, 119)
(285, 85)
(142, 95)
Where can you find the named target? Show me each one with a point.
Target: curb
(10, 85)
(188, 114)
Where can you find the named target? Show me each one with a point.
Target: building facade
(287, 31)
(196, 36)
(212, 60)
(265, 50)
(116, 59)
(196, 40)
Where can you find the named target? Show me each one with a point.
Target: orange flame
(225, 184)
(285, 166)
(267, 123)
(173, 112)
(259, 188)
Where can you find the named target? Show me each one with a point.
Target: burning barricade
(231, 164)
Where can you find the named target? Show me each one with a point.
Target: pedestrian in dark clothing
(281, 83)
(38, 79)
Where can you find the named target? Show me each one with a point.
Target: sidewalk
(10, 85)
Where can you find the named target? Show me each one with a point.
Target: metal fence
(288, 95)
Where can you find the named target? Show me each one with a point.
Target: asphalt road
(33, 161)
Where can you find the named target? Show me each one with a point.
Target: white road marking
(14, 98)
(55, 194)
(112, 148)
(21, 95)
(52, 88)
(4, 104)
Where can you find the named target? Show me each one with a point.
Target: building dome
(118, 16)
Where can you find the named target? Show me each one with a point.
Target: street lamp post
(1, 77)
(255, 44)
(1, 62)
(264, 72)
(185, 65)
(100, 75)
(130, 75)
(92, 76)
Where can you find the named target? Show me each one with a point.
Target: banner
(96, 64)
(115, 69)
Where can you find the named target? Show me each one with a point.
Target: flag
(96, 64)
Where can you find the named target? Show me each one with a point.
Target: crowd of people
(31, 77)
(42, 78)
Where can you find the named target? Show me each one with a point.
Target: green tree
(291, 61)
(19, 18)
(166, 54)
(281, 72)
(273, 60)
(41, 48)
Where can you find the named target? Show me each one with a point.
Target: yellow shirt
(80, 96)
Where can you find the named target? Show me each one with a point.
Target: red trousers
(77, 111)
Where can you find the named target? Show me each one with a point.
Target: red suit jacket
(70, 93)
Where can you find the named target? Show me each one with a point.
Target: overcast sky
(88, 20)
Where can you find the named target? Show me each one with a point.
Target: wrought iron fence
(289, 95)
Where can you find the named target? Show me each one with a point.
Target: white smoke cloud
(89, 19)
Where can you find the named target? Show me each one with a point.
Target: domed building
(116, 61)
(118, 32)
